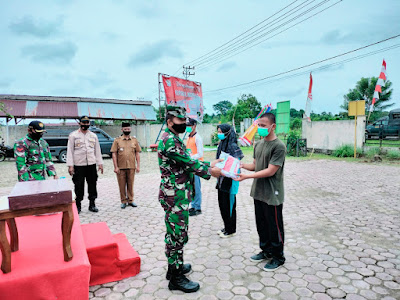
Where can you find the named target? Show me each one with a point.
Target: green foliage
(346, 151)
(214, 138)
(247, 107)
(364, 90)
(295, 124)
(393, 154)
(372, 152)
(296, 113)
(222, 107)
(291, 143)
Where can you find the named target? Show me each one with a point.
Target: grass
(385, 143)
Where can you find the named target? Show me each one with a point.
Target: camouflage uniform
(33, 159)
(177, 173)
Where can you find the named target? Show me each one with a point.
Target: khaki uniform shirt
(126, 148)
(83, 149)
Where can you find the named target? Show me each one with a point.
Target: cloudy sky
(115, 49)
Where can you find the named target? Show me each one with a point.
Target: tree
(247, 107)
(222, 107)
(364, 90)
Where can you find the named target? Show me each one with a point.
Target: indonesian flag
(378, 88)
(307, 111)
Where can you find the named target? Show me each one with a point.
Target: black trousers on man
(224, 206)
(80, 174)
(269, 223)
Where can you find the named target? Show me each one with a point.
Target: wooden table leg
(5, 249)
(13, 234)
(67, 222)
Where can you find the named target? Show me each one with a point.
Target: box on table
(40, 193)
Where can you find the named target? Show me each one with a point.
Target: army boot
(186, 268)
(92, 206)
(180, 282)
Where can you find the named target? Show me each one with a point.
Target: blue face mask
(263, 132)
(221, 136)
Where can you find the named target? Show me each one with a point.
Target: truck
(386, 126)
(58, 140)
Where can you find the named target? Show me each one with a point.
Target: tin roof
(25, 106)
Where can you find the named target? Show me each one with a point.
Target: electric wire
(214, 63)
(305, 66)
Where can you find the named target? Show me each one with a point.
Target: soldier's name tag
(121, 149)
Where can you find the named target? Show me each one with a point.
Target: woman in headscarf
(227, 192)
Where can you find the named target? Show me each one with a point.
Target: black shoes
(273, 265)
(260, 257)
(194, 212)
(186, 268)
(123, 205)
(180, 282)
(132, 204)
(93, 209)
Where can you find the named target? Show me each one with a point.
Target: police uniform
(177, 172)
(126, 148)
(84, 153)
(33, 157)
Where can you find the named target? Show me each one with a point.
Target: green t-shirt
(269, 189)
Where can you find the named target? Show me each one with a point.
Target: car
(58, 141)
(386, 126)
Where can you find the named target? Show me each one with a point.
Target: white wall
(329, 135)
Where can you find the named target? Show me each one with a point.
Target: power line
(191, 62)
(261, 29)
(305, 66)
(214, 63)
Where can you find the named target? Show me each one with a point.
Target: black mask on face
(127, 132)
(179, 128)
(36, 135)
(84, 127)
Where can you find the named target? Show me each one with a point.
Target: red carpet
(38, 267)
(112, 258)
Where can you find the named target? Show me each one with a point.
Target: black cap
(84, 119)
(37, 125)
(126, 124)
(191, 122)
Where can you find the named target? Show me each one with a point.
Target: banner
(307, 111)
(378, 88)
(247, 137)
(184, 93)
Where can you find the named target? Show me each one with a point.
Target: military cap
(126, 124)
(176, 111)
(37, 125)
(191, 122)
(84, 119)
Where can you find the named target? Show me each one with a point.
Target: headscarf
(229, 143)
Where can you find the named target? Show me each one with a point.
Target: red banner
(184, 93)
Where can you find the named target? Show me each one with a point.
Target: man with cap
(126, 158)
(177, 169)
(195, 145)
(32, 155)
(83, 154)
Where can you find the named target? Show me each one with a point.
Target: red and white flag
(378, 88)
(307, 111)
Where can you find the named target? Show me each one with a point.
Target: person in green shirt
(268, 192)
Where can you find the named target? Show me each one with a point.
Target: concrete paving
(342, 231)
(342, 237)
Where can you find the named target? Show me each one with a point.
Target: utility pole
(186, 71)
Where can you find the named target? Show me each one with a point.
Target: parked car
(386, 126)
(58, 140)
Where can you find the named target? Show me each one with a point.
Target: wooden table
(8, 216)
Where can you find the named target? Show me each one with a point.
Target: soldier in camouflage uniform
(32, 154)
(177, 175)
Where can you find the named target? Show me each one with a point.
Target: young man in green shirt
(268, 192)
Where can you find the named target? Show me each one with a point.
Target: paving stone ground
(342, 237)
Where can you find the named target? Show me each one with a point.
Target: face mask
(221, 136)
(36, 135)
(85, 127)
(127, 132)
(263, 132)
(179, 128)
(188, 129)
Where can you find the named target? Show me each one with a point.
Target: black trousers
(80, 174)
(224, 206)
(270, 229)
